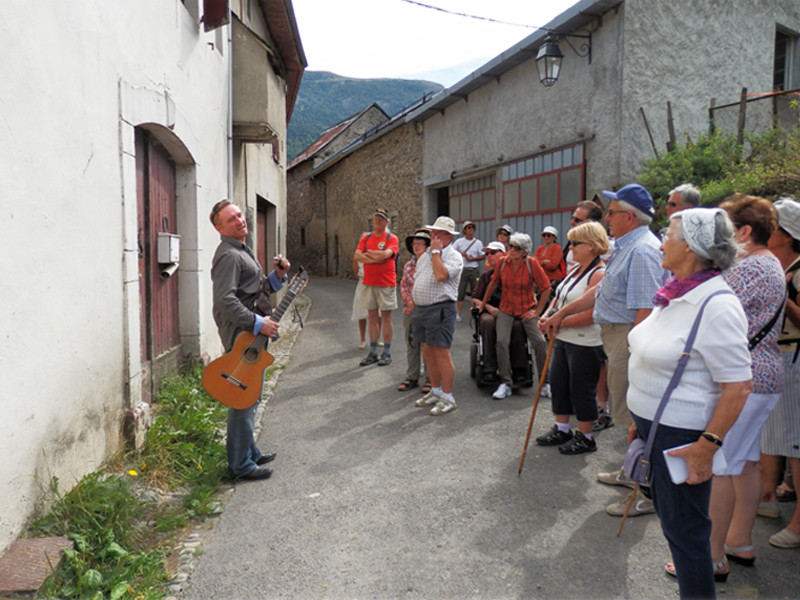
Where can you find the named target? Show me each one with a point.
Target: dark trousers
(574, 371)
(683, 511)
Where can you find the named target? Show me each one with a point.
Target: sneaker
(785, 539)
(370, 358)
(640, 506)
(427, 399)
(578, 445)
(443, 407)
(458, 318)
(604, 421)
(554, 437)
(503, 391)
(362, 344)
(385, 359)
(615, 478)
(546, 393)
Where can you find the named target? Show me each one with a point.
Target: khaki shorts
(378, 298)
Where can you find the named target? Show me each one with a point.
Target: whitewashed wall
(78, 77)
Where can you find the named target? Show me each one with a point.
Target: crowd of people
(614, 309)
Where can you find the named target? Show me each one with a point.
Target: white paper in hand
(679, 471)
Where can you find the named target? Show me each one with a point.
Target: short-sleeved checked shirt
(427, 290)
(518, 295)
(633, 275)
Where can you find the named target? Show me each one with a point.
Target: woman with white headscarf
(699, 244)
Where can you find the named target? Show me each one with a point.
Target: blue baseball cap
(635, 195)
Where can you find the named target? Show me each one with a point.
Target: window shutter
(215, 14)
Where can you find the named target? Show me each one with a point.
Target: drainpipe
(230, 107)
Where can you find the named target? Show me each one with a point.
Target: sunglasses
(573, 244)
(548, 235)
(576, 220)
(514, 247)
(493, 252)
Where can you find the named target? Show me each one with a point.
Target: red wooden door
(157, 213)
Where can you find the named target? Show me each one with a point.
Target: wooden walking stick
(542, 378)
(628, 507)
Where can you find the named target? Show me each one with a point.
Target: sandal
(426, 388)
(721, 570)
(734, 555)
(407, 385)
(785, 493)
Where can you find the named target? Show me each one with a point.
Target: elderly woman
(699, 244)
(417, 244)
(518, 272)
(578, 350)
(758, 281)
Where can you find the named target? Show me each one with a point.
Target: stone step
(27, 563)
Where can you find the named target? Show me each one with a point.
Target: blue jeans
(241, 447)
(683, 511)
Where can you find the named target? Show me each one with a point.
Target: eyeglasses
(576, 220)
(611, 212)
(548, 235)
(514, 247)
(494, 252)
(573, 244)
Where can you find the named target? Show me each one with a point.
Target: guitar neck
(287, 300)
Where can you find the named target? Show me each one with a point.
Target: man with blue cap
(624, 298)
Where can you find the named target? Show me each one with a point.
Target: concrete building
(123, 123)
(499, 147)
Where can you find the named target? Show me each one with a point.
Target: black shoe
(265, 458)
(258, 473)
(578, 445)
(554, 437)
(385, 359)
(370, 359)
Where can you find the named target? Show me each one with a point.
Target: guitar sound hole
(251, 355)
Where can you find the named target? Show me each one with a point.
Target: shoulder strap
(756, 339)
(676, 376)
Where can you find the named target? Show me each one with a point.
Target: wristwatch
(436, 251)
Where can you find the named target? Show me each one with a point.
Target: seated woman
(518, 273)
(707, 400)
(578, 350)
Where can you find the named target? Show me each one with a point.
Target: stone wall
(384, 173)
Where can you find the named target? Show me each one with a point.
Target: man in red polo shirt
(377, 250)
(517, 273)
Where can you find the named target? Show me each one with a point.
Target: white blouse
(719, 355)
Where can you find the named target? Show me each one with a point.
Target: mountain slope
(324, 99)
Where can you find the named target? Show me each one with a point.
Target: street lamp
(548, 59)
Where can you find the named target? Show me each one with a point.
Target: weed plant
(123, 521)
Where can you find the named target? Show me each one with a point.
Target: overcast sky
(400, 39)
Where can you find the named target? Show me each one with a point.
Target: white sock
(563, 427)
(437, 391)
(448, 397)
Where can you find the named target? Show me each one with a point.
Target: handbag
(636, 464)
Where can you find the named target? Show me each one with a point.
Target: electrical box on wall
(169, 248)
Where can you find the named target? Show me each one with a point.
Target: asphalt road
(374, 498)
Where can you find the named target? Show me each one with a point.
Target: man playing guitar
(237, 280)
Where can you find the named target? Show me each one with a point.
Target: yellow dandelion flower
(133, 473)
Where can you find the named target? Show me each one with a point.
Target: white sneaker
(458, 318)
(443, 407)
(546, 393)
(503, 391)
(362, 344)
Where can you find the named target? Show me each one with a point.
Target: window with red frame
(473, 200)
(547, 182)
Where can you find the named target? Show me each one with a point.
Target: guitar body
(235, 378)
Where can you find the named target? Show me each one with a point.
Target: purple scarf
(675, 288)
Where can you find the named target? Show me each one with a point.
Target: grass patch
(123, 520)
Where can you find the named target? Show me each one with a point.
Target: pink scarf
(675, 288)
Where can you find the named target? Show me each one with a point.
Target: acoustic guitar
(236, 378)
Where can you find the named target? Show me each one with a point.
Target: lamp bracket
(584, 48)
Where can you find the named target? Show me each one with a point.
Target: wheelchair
(522, 369)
